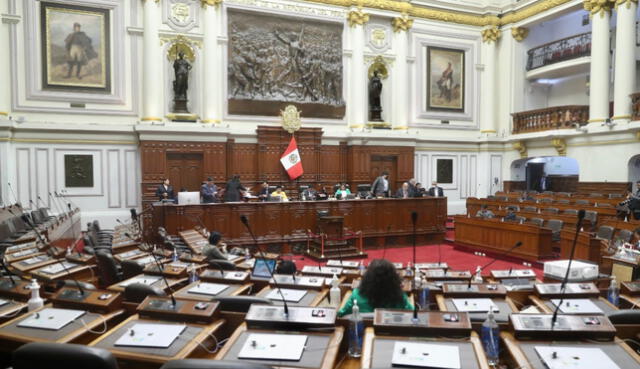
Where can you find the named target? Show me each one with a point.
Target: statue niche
(375, 90)
(181, 69)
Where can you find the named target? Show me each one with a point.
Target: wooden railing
(559, 50)
(635, 106)
(556, 117)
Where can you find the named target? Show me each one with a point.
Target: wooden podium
(331, 243)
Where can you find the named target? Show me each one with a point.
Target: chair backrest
(530, 208)
(550, 210)
(519, 219)
(615, 195)
(571, 212)
(582, 202)
(131, 268)
(595, 194)
(211, 364)
(45, 355)
(625, 235)
(624, 316)
(537, 221)
(240, 304)
(605, 232)
(546, 200)
(222, 264)
(562, 201)
(591, 216)
(136, 292)
(5, 233)
(107, 269)
(37, 217)
(71, 283)
(603, 205)
(555, 225)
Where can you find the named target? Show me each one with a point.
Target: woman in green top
(343, 191)
(381, 287)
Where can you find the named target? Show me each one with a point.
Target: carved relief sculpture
(275, 61)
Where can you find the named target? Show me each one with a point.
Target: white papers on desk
(343, 263)
(273, 347)
(34, 260)
(129, 254)
(514, 273)
(24, 253)
(144, 279)
(58, 267)
(145, 260)
(426, 355)
(3, 302)
(211, 289)
(475, 305)
(51, 318)
(574, 358)
(289, 294)
(151, 335)
(577, 306)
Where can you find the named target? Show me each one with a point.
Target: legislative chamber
(332, 184)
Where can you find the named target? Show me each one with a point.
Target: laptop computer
(263, 268)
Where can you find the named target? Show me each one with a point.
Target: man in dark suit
(208, 191)
(165, 191)
(404, 192)
(435, 191)
(309, 194)
(234, 190)
(264, 191)
(413, 190)
(380, 187)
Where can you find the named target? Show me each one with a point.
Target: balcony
(568, 56)
(546, 119)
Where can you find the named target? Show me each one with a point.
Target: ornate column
(211, 112)
(358, 87)
(599, 76)
(490, 37)
(400, 96)
(5, 65)
(152, 86)
(625, 68)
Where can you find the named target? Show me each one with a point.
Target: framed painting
(78, 170)
(444, 171)
(75, 43)
(445, 79)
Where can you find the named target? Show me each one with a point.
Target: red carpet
(456, 259)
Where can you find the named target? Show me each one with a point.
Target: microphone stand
(414, 218)
(518, 244)
(245, 221)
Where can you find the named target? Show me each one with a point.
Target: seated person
(484, 212)
(309, 194)
(511, 214)
(420, 191)
(217, 250)
(381, 287)
(286, 267)
(279, 193)
(404, 192)
(165, 191)
(263, 194)
(208, 191)
(435, 190)
(526, 197)
(342, 192)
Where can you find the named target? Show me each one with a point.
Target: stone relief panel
(181, 15)
(274, 61)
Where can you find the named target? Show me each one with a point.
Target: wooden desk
(186, 345)
(495, 236)
(377, 351)
(35, 262)
(312, 298)
(546, 306)
(323, 355)
(78, 331)
(522, 353)
(159, 283)
(78, 271)
(505, 306)
(11, 310)
(587, 247)
(274, 221)
(473, 205)
(232, 290)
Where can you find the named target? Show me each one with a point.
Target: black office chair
(131, 268)
(71, 283)
(211, 364)
(240, 304)
(108, 271)
(137, 292)
(43, 355)
(222, 264)
(624, 316)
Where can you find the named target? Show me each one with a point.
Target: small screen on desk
(263, 268)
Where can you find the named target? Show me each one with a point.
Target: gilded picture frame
(76, 52)
(445, 79)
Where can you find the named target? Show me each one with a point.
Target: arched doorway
(634, 169)
(546, 173)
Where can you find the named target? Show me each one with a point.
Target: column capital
(599, 6)
(357, 18)
(215, 3)
(519, 33)
(402, 23)
(626, 2)
(490, 35)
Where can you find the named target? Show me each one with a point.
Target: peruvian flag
(290, 160)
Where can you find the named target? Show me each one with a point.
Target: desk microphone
(414, 219)
(13, 194)
(41, 202)
(581, 214)
(245, 221)
(56, 204)
(518, 244)
(25, 218)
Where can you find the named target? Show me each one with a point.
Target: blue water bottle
(490, 336)
(356, 331)
(613, 293)
(424, 295)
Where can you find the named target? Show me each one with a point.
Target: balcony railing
(635, 106)
(556, 117)
(560, 50)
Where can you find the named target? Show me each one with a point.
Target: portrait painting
(444, 171)
(75, 47)
(445, 79)
(78, 170)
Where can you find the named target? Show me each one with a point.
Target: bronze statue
(181, 68)
(375, 89)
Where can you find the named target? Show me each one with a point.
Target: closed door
(185, 171)
(380, 164)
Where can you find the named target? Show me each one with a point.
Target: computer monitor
(263, 268)
(188, 198)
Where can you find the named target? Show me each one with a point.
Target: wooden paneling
(562, 183)
(510, 186)
(603, 187)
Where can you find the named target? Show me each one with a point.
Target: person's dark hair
(381, 284)
(278, 187)
(209, 179)
(214, 238)
(483, 206)
(286, 267)
(385, 173)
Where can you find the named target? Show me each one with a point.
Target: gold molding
(638, 135)
(621, 117)
(379, 66)
(213, 121)
(401, 128)
(215, 3)
(598, 6)
(596, 120)
(625, 2)
(488, 131)
(519, 33)
(146, 119)
(356, 126)
(182, 116)
(560, 145)
(4, 113)
(378, 124)
(490, 35)
(66, 141)
(521, 147)
(402, 23)
(357, 18)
